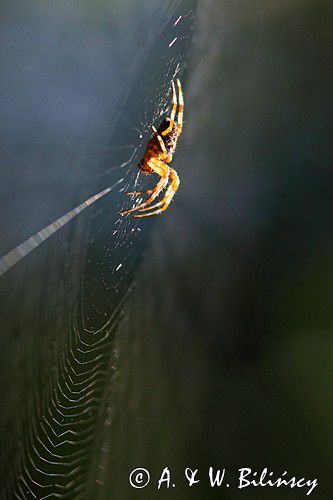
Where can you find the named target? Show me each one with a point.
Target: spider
(159, 152)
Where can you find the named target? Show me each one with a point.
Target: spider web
(62, 290)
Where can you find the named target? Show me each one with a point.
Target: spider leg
(173, 112)
(165, 202)
(161, 169)
(180, 108)
(160, 140)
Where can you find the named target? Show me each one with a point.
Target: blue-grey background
(211, 344)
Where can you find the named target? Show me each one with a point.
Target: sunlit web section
(58, 440)
(115, 241)
(14, 256)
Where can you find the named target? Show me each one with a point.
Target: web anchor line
(11, 258)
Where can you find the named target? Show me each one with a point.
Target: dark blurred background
(199, 338)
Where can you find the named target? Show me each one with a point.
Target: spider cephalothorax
(159, 152)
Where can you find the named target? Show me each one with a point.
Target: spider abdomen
(170, 139)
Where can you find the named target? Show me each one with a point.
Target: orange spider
(159, 153)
